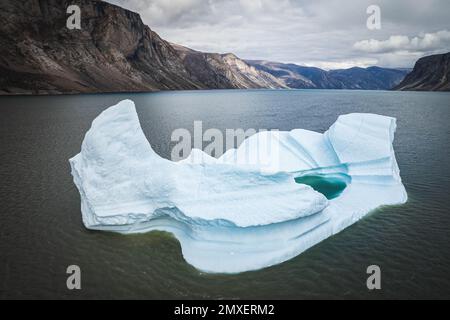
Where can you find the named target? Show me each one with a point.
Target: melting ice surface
(231, 216)
(330, 185)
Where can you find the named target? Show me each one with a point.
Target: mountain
(116, 52)
(430, 73)
(218, 71)
(113, 52)
(290, 74)
(301, 77)
(372, 78)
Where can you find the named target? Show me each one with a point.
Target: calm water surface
(41, 232)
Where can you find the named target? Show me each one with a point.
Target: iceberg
(230, 215)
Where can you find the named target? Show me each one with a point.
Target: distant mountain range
(301, 77)
(116, 52)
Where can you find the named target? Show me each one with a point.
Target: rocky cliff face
(301, 77)
(430, 73)
(113, 52)
(225, 71)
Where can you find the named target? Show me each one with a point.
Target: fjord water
(41, 231)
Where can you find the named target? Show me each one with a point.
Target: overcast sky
(325, 33)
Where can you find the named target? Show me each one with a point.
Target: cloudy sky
(325, 33)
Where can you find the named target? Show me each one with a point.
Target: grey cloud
(320, 32)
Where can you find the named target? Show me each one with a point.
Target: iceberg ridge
(228, 214)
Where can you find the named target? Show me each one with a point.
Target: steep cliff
(225, 71)
(430, 73)
(114, 51)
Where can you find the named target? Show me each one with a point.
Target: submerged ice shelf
(229, 215)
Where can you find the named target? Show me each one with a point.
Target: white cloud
(333, 65)
(423, 43)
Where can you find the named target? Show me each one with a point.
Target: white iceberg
(231, 216)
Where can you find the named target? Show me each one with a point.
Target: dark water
(40, 224)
